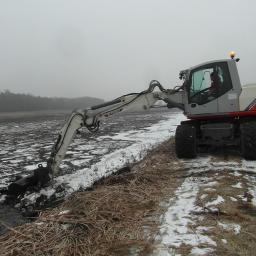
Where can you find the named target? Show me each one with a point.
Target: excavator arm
(91, 118)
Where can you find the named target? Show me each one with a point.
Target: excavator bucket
(39, 177)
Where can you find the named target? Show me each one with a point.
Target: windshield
(208, 82)
(201, 80)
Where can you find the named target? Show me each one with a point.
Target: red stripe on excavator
(228, 114)
(253, 108)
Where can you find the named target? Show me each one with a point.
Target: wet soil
(27, 139)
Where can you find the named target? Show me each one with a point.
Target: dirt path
(213, 211)
(159, 206)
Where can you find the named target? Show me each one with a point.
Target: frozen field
(211, 210)
(121, 140)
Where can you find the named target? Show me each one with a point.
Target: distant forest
(11, 102)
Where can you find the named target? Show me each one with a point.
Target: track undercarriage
(201, 135)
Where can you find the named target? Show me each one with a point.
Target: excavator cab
(212, 88)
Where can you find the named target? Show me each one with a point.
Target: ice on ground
(175, 224)
(217, 201)
(238, 185)
(210, 189)
(39, 223)
(32, 197)
(252, 190)
(249, 165)
(175, 230)
(165, 252)
(31, 167)
(236, 228)
(233, 199)
(201, 251)
(16, 161)
(2, 198)
(99, 151)
(140, 141)
(224, 241)
(210, 184)
(113, 161)
(203, 196)
(242, 197)
(80, 161)
(237, 174)
(64, 212)
(202, 228)
(205, 164)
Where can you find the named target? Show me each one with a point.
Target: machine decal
(252, 106)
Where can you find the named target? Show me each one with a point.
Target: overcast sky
(106, 48)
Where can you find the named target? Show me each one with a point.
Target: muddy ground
(27, 138)
(159, 206)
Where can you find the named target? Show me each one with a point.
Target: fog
(106, 48)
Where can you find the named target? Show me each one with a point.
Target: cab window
(209, 82)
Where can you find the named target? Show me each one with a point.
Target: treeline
(10, 102)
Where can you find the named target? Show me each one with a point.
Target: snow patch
(174, 230)
(237, 174)
(224, 241)
(210, 189)
(141, 142)
(236, 228)
(210, 184)
(31, 167)
(2, 198)
(80, 162)
(203, 229)
(238, 185)
(64, 212)
(252, 188)
(233, 199)
(201, 251)
(217, 201)
(203, 196)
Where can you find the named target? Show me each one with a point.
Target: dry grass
(230, 212)
(111, 219)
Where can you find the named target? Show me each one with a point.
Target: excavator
(220, 112)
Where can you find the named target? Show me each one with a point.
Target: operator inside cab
(209, 82)
(215, 82)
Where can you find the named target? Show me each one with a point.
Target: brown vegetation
(118, 215)
(230, 212)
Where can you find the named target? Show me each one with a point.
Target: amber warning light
(232, 54)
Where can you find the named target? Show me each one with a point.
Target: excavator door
(210, 89)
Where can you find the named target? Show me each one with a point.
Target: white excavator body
(247, 99)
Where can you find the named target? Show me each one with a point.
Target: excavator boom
(91, 118)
